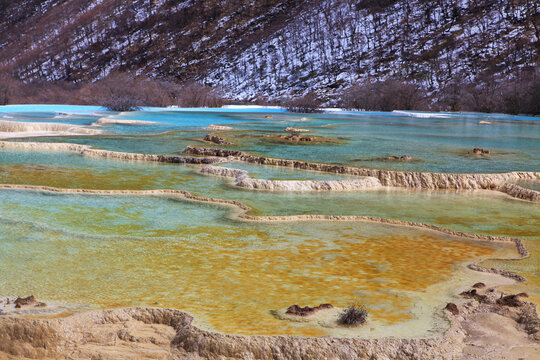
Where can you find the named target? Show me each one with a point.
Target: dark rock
(19, 302)
(452, 308)
(479, 151)
(512, 300)
(391, 158)
(473, 294)
(216, 140)
(293, 137)
(297, 137)
(469, 294)
(306, 310)
(479, 285)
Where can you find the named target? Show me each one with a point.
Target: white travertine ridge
(407, 179)
(242, 179)
(106, 120)
(14, 129)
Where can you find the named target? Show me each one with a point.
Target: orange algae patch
(528, 267)
(132, 179)
(231, 278)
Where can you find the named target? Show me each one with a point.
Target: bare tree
(8, 87)
(306, 104)
(197, 95)
(385, 95)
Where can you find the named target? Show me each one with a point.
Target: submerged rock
(481, 151)
(297, 137)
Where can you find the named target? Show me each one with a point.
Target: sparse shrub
(13, 91)
(309, 103)
(384, 95)
(490, 94)
(8, 88)
(117, 92)
(197, 95)
(124, 92)
(354, 315)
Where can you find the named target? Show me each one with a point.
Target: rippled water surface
(112, 251)
(126, 251)
(442, 143)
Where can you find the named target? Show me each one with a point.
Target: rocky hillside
(270, 48)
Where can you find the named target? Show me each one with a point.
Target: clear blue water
(436, 144)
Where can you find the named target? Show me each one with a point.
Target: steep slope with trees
(275, 49)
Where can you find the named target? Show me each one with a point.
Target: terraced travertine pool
(99, 250)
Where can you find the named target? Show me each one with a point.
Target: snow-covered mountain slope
(270, 47)
(337, 43)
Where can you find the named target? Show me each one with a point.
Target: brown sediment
(408, 179)
(243, 209)
(170, 334)
(134, 178)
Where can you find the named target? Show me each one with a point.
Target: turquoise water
(470, 211)
(438, 145)
(167, 144)
(113, 251)
(366, 139)
(84, 109)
